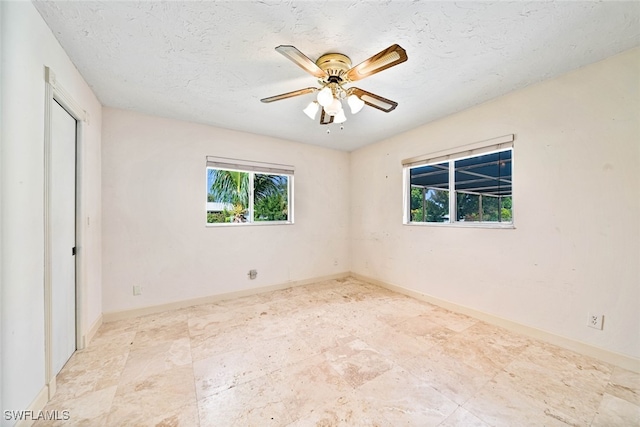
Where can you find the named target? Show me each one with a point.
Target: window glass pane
(506, 214)
(227, 196)
(483, 187)
(430, 193)
(437, 205)
(429, 205)
(481, 190)
(271, 197)
(417, 197)
(467, 207)
(490, 208)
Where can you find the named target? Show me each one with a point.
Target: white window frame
(501, 143)
(251, 167)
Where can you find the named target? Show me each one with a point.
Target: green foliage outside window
(273, 207)
(231, 189)
(494, 208)
(434, 207)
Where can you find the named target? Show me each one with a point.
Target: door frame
(54, 92)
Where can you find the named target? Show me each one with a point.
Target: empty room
(320, 213)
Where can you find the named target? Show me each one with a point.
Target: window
(243, 192)
(471, 185)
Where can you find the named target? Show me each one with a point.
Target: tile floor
(334, 353)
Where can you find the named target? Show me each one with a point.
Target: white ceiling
(212, 61)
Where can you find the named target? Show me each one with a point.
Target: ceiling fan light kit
(339, 117)
(355, 103)
(325, 96)
(312, 110)
(334, 70)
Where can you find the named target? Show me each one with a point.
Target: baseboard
(626, 362)
(136, 312)
(36, 406)
(52, 388)
(92, 331)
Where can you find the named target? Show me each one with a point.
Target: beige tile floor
(334, 353)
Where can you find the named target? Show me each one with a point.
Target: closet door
(63, 236)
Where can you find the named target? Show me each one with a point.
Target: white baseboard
(626, 362)
(52, 388)
(136, 312)
(92, 331)
(36, 406)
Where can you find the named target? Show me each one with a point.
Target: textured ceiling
(211, 62)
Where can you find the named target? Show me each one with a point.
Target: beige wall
(575, 249)
(576, 245)
(154, 195)
(27, 47)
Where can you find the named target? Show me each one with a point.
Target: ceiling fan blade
(302, 60)
(373, 100)
(393, 55)
(325, 119)
(289, 94)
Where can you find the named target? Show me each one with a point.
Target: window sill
(247, 224)
(507, 226)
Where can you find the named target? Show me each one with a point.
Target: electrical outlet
(137, 290)
(252, 274)
(595, 321)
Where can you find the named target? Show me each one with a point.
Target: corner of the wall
(86, 339)
(36, 406)
(143, 311)
(617, 359)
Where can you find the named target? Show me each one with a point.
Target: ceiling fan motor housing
(335, 65)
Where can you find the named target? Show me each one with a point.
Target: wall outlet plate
(595, 321)
(137, 290)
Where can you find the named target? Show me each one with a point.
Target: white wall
(27, 46)
(576, 246)
(1, 199)
(154, 198)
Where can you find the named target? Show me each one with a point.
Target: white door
(63, 236)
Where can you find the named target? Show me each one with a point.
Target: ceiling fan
(333, 71)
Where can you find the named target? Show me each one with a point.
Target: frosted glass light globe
(312, 110)
(355, 103)
(325, 96)
(333, 108)
(340, 117)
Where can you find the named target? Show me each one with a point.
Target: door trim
(54, 92)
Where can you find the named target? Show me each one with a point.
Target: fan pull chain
(329, 129)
